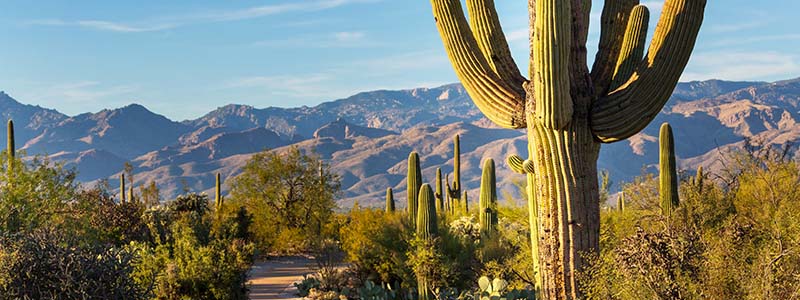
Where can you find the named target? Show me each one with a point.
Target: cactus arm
(488, 32)
(668, 173)
(550, 51)
(627, 110)
(520, 166)
(613, 21)
(501, 102)
(633, 44)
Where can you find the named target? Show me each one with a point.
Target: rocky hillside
(368, 136)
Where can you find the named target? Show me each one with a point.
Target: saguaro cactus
(668, 173)
(426, 230)
(455, 190)
(698, 179)
(389, 200)
(218, 191)
(488, 201)
(621, 201)
(414, 181)
(122, 188)
(10, 147)
(439, 192)
(567, 109)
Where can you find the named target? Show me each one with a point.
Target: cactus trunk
(414, 181)
(567, 109)
(426, 230)
(389, 201)
(668, 173)
(488, 201)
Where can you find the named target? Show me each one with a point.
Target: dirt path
(272, 279)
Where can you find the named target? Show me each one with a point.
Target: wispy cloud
(78, 96)
(342, 39)
(294, 86)
(767, 65)
(170, 22)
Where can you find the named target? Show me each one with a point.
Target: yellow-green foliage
(738, 241)
(376, 243)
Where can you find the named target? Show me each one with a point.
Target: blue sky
(185, 58)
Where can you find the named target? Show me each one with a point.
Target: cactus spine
(10, 146)
(439, 193)
(122, 188)
(455, 190)
(426, 230)
(488, 200)
(389, 201)
(668, 173)
(563, 95)
(414, 181)
(218, 191)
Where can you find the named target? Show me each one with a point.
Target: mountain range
(367, 137)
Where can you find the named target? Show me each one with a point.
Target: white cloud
(170, 22)
(349, 36)
(345, 39)
(294, 86)
(768, 65)
(78, 96)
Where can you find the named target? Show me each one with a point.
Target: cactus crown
(668, 173)
(629, 86)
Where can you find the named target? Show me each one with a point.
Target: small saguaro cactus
(567, 108)
(10, 146)
(621, 201)
(414, 181)
(668, 173)
(455, 190)
(218, 191)
(426, 230)
(698, 179)
(439, 192)
(389, 200)
(488, 201)
(131, 195)
(122, 188)
(466, 203)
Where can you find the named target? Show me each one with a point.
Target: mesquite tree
(568, 109)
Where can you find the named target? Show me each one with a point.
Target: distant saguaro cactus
(122, 188)
(454, 190)
(414, 181)
(10, 146)
(439, 191)
(668, 172)
(218, 191)
(487, 210)
(567, 109)
(389, 200)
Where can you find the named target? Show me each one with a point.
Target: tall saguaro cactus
(454, 191)
(487, 210)
(568, 109)
(414, 181)
(426, 230)
(10, 146)
(389, 200)
(668, 173)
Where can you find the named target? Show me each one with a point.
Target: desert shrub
(193, 254)
(375, 244)
(293, 195)
(44, 264)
